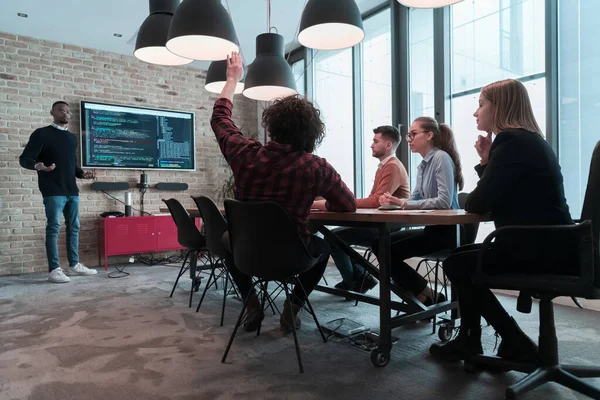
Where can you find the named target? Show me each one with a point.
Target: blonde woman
(439, 178)
(520, 184)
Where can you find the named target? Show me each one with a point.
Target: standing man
(51, 151)
(283, 170)
(391, 177)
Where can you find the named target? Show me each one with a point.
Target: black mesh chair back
(214, 225)
(264, 240)
(468, 231)
(188, 234)
(591, 207)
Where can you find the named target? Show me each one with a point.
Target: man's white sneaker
(81, 269)
(57, 275)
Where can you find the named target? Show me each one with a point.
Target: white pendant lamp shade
(269, 76)
(428, 3)
(216, 77)
(152, 36)
(331, 25)
(202, 30)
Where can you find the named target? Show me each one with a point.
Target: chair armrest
(576, 244)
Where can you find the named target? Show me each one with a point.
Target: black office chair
(189, 237)
(556, 247)
(214, 227)
(433, 261)
(266, 245)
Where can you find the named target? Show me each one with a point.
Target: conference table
(386, 221)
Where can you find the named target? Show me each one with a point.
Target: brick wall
(33, 74)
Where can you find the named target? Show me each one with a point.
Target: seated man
(391, 177)
(283, 170)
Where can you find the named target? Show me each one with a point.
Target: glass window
(421, 73)
(300, 77)
(377, 88)
(494, 40)
(333, 96)
(579, 93)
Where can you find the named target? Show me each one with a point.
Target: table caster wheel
(379, 359)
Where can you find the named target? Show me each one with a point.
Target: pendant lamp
(269, 76)
(216, 77)
(428, 3)
(202, 30)
(152, 35)
(331, 25)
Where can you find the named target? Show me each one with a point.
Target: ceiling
(93, 24)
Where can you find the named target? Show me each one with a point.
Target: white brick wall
(33, 74)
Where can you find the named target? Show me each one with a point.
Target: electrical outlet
(131, 259)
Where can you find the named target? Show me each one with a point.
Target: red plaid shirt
(275, 172)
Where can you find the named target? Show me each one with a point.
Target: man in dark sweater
(51, 151)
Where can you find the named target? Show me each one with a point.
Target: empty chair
(214, 227)
(189, 237)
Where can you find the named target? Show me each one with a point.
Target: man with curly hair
(283, 170)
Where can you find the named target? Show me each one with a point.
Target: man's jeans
(352, 236)
(69, 207)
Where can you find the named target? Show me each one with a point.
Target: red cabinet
(131, 235)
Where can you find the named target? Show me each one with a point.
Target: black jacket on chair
(521, 184)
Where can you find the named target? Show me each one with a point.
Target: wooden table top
(425, 217)
(417, 217)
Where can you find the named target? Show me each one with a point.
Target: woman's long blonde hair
(512, 107)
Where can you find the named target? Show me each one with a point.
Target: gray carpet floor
(98, 338)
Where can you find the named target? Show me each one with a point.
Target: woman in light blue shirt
(439, 177)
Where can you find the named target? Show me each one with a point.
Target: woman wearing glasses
(520, 184)
(439, 178)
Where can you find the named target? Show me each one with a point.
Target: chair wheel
(379, 359)
(445, 331)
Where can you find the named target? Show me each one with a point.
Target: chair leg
(293, 319)
(193, 275)
(581, 371)
(312, 312)
(224, 296)
(212, 279)
(435, 291)
(574, 383)
(181, 272)
(530, 382)
(236, 327)
(325, 280)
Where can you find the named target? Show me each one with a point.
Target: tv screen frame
(153, 111)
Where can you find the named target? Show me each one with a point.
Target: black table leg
(381, 355)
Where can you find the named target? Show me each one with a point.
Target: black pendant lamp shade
(152, 35)
(202, 30)
(331, 25)
(216, 77)
(269, 76)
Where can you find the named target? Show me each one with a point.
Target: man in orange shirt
(391, 177)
